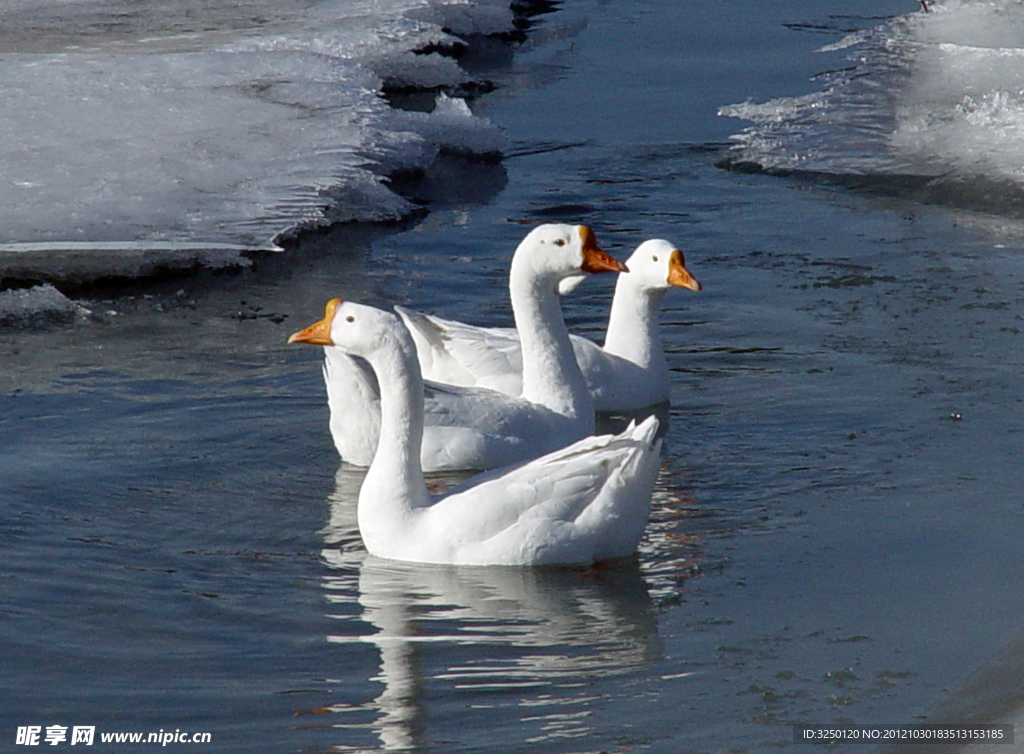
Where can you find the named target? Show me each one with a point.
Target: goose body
(465, 427)
(475, 427)
(581, 504)
(628, 372)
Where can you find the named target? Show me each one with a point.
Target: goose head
(658, 265)
(356, 329)
(562, 254)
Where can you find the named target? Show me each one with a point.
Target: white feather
(482, 426)
(585, 503)
(628, 373)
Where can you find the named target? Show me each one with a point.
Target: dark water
(837, 531)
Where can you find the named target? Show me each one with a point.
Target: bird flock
(411, 393)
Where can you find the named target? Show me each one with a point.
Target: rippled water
(837, 527)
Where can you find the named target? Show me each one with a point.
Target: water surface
(837, 528)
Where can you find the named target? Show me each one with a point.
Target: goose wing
(461, 354)
(586, 502)
(479, 428)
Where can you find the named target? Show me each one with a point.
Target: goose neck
(551, 376)
(354, 400)
(394, 483)
(633, 324)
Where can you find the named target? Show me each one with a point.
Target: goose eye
(559, 242)
(655, 257)
(350, 318)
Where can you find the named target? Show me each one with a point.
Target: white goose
(583, 504)
(628, 373)
(476, 428)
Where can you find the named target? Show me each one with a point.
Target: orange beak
(319, 333)
(595, 260)
(678, 275)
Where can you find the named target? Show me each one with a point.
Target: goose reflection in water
(512, 639)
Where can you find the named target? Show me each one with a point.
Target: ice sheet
(934, 98)
(188, 124)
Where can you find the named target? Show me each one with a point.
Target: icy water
(837, 530)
